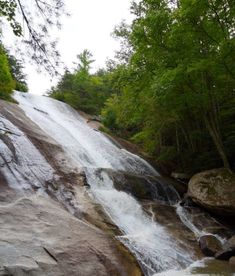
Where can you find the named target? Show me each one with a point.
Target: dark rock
(228, 250)
(182, 176)
(232, 261)
(84, 179)
(225, 254)
(39, 110)
(187, 202)
(214, 190)
(219, 230)
(209, 245)
(180, 186)
(144, 187)
(140, 187)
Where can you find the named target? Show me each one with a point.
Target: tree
(7, 83)
(81, 89)
(180, 80)
(85, 61)
(16, 69)
(37, 16)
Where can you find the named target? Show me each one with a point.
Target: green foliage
(110, 113)
(16, 69)
(8, 10)
(7, 83)
(32, 21)
(176, 90)
(85, 61)
(81, 89)
(11, 75)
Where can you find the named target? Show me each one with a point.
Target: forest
(170, 88)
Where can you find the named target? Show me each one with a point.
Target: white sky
(89, 27)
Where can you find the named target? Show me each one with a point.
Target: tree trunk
(212, 120)
(216, 137)
(177, 139)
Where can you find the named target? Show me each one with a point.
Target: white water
(88, 148)
(155, 249)
(187, 220)
(189, 270)
(17, 165)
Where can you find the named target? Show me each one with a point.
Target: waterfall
(155, 248)
(19, 174)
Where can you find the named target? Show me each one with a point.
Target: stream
(151, 240)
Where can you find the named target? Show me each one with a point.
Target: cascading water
(24, 171)
(199, 222)
(146, 238)
(155, 249)
(87, 148)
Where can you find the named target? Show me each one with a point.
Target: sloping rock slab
(214, 190)
(39, 237)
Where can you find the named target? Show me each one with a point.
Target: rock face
(48, 223)
(39, 237)
(209, 245)
(214, 190)
(227, 251)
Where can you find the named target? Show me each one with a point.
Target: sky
(89, 26)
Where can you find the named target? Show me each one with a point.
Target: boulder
(214, 190)
(228, 250)
(209, 245)
(232, 261)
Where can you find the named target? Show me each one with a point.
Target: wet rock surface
(55, 215)
(202, 223)
(214, 190)
(209, 245)
(166, 215)
(38, 237)
(48, 223)
(227, 251)
(144, 187)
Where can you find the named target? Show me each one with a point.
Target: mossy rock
(214, 190)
